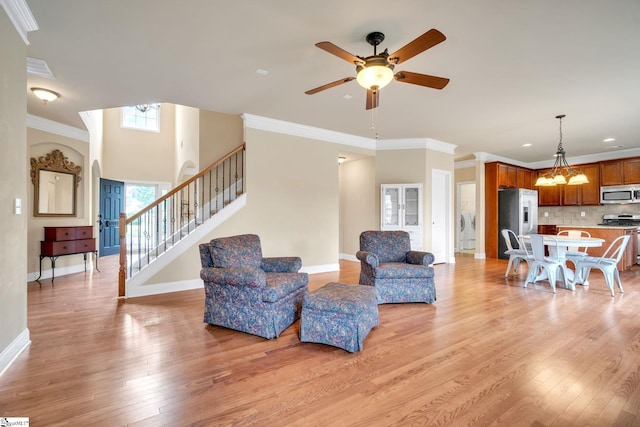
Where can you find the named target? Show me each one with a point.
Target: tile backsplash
(571, 215)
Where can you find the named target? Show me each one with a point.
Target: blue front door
(111, 204)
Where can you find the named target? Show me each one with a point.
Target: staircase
(159, 227)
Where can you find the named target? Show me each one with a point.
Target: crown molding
(577, 160)
(21, 17)
(412, 143)
(279, 126)
(45, 125)
(589, 158)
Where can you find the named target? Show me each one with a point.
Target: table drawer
(86, 245)
(57, 248)
(84, 232)
(60, 233)
(68, 233)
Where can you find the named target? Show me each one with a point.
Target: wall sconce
(45, 95)
(341, 160)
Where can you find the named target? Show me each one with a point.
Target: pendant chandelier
(143, 108)
(561, 173)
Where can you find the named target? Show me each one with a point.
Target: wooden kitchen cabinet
(548, 196)
(507, 176)
(572, 195)
(550, 229)
(510, 176)
(584, 194)
(620, 172)
(524, 177)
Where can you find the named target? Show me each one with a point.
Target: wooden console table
(60, 241)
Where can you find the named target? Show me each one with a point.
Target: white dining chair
(607, 263)
(516, 254)
(551, 264)
(575, 251)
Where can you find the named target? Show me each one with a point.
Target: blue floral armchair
(249, 293)
(397, 273)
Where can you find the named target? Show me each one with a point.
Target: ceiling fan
(376, 71)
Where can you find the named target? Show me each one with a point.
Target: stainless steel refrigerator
(517, 211)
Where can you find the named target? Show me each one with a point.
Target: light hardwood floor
(487, 352)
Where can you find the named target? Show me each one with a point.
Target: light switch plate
(18, 206)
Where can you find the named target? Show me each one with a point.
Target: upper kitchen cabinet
(620, 172)
(584, 194)
(573, 195)
(510, 176)
(548, 196)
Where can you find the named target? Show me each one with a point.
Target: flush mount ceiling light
(143, 108)
(561, 169)
(45, 95)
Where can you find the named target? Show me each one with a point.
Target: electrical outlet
(546, 214)
(583, 214)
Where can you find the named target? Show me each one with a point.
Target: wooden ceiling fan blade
(339, 52)
(421, 79)
(422, 43)
(373, 97)
(329, 85)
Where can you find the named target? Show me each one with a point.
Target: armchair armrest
(281, 264)
(253, 277)
(368, 257)
(420, 258)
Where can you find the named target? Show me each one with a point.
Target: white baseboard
(349, 257)
(163, 288)
(60, 271)
(480, 255)
(314, 269)
(17, 346)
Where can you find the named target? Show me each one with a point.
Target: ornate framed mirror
(55, 180)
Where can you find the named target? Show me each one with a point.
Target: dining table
(564, 243)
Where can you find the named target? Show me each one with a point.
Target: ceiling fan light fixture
(375, 75)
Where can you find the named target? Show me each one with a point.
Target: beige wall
(219, 134)
(465, 175)
(187, 141)
(292, 203)
(41, 143)
(414, 166)
(139, 156)
(357, 202)
(14, 172)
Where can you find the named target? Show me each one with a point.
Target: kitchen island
(609, 233)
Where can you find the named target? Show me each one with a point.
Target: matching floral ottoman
(339, 315)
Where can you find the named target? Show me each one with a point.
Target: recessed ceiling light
(262, 72)
(608, 140)
(347, 96)
(526, 145)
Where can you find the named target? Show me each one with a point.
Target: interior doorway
(466, 217)
(441, 229)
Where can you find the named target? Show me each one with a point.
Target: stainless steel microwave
(620, 194)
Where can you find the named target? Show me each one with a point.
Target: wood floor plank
(487, 352)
